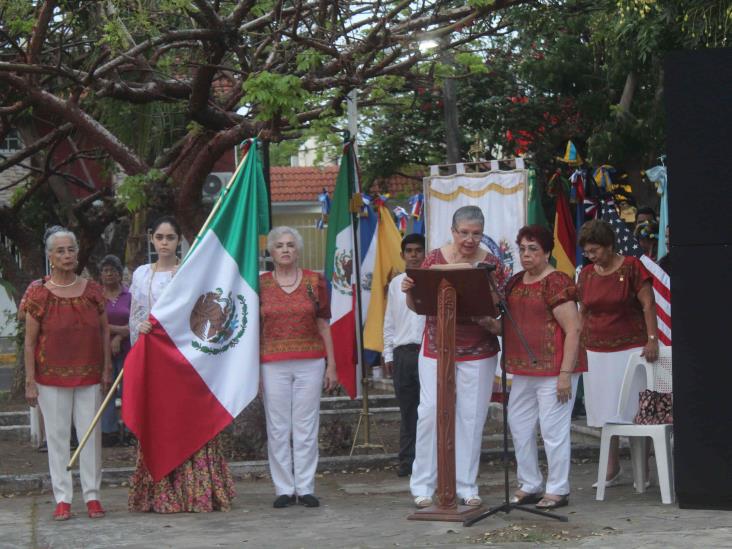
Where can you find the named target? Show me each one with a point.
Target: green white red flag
(199, 366)
(339, 272)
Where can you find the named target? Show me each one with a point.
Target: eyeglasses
(591, 252)
(530, 249)
(464, 235)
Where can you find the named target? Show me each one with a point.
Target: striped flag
(199, 366)
(389, 263)
(340, 272)
(627, 244)
(565, 235)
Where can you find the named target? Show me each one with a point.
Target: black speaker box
(698, 96)
(701, 302)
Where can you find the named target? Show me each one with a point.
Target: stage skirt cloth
(201, 484)
(602, 381)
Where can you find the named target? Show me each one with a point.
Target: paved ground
(368, 509)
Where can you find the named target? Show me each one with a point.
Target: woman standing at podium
(545, 368)
(476, 351)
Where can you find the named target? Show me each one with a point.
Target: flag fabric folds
(389, 263)
(535, 211)
(199, 366)
(626, 244)
(565, 235)
(340, 271)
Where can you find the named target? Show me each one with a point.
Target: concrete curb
(241, 470)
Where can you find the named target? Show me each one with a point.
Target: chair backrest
(659, 373)
(641, 375)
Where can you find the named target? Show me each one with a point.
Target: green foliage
(474, 63)
(275, 95)
(134, 192)
(308, 60)
(17, 17)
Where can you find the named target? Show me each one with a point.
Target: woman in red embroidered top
(476, 350)
(618, 314)
(542, 301)
(67, 366)
(295, 338)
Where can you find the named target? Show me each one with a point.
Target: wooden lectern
(448, 293)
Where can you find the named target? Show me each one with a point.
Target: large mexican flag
(339, 272)
(199, 367)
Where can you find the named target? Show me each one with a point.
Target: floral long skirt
(201, 484)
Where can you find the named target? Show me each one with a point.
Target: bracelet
(652, 337)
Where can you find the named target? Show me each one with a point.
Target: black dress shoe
(283, 501)
(404, 470)
(309, 500)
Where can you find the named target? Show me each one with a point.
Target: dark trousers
(406, 388)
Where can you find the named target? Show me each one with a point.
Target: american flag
(627, 244)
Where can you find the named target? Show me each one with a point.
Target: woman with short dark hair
(618, 313)
(545, 369)
(118, 302)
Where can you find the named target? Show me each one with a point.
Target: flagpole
(94, 422)
(223, 194)
(365, 415)
(196, 240)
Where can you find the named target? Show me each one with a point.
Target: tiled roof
(398, 184)
(304, 184)
(301, 184)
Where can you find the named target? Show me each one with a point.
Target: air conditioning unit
(215, 182)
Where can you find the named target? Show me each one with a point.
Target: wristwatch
(652, 337)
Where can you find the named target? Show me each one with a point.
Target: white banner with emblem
(501, 195)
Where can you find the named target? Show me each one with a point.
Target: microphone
(489, 267)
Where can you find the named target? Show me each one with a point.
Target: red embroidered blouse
(69, 351)
(532, 307)
(613, 316)
(288, 321)
(472, 341)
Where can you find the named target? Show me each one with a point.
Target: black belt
(409, 346)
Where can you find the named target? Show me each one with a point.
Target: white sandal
(422, 501)
(473, 501)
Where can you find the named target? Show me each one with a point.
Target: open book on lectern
(471, 284)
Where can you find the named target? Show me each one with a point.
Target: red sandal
(63, 511)
(94, 509)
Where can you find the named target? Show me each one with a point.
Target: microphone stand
(507, 506)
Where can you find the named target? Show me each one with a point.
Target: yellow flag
(387, 265)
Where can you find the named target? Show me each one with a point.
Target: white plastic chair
(641, 375)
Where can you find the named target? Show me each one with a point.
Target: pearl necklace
(76, 279)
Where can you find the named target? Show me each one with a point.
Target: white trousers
(292, 391)
(60, 407)
(533, 403)
(473, 383)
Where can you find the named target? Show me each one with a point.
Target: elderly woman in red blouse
(295, 340)
(476, 350)
(543, 304)
(618, 314)
(67, 366)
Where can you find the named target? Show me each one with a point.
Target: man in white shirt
(402, 339)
